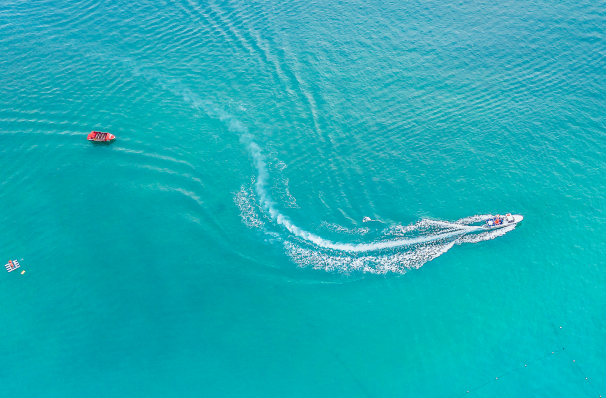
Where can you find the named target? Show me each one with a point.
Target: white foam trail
(401, 230)
(269, 206)
(423, 248)
(488, 235)
(342, 230)
(367, 247)
(248, 213)
(472, 219)
(398, 262)
(454, 225)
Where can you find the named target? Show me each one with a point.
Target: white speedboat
(500, 221)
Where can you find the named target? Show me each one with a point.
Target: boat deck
(100, 136)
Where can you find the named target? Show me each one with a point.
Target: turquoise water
(218, 248)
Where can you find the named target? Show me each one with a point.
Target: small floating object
(22, 272)
(12, 265)
(99, 136)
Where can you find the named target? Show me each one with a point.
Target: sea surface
(218, 247)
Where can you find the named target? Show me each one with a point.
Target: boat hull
(99, 136)
(517, 218)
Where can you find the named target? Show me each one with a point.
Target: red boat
(98, 136)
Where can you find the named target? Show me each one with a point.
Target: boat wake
(394, 249)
